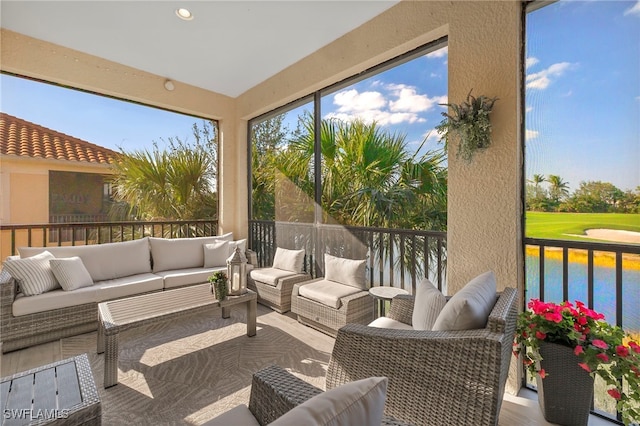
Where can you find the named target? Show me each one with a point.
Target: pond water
(604, 288)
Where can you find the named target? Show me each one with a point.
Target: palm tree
(537, 180)
(558, 188)
(177, 183)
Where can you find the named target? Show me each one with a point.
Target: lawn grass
(561, 226)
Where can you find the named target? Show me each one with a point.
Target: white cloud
(633, 10)
(531, 61)
(528, 109)
(531, 134)
(351, 100)
(440, 53)
(542, 79)
(401, 103)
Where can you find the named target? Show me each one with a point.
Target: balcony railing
(395, 257)
(604, 276)
(64, 234)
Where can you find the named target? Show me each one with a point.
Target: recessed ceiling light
(184, 14)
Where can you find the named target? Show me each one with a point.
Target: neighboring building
(47, 176)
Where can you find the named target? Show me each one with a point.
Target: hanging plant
(469, 121)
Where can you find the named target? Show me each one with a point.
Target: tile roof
(23, 138)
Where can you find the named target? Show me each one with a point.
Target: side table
(383, 294)
(61, 393)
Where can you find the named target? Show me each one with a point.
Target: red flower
(540, 335)
(622, 351)
(635, 347)
(603, 357)
(542, 373)
(600, 344)
(553, 316)
(585, 367)
(578, 350)
(614, 393)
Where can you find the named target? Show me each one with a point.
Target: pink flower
(553, 316)
(585, 367)
(614, 393)
(622, 351)
(635, 347)
(542, 373)
(578, 350)
(603, 357)
(600, 344)
(540, 335)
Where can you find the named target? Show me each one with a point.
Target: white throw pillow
(33, 274)
(346, 271)
(354, 403)
(427, 305)
(71, 273)
(216, 254)
(289, 260)
(241, 244)
(469, 308)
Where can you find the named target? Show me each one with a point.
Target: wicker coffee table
(118, 315)
(61, 393)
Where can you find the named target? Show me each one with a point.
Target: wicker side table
(61, 393)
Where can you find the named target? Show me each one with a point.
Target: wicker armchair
(275, 391)
(276, 294)
(355, 308)
(435, 377)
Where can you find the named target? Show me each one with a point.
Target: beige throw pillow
(469, 308)
(354, 403)
(33, 274)
(427, 305)
(216, 254)
(289, 260)
(71, 273)
(346, 271)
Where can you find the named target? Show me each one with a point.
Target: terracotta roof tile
(26, 139)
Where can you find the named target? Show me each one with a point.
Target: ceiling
(228, 47)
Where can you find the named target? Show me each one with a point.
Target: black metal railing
(604, 276)
(395, 257)
(59, 234)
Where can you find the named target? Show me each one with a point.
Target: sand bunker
(614, 235)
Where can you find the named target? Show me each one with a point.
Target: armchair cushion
(386, 322)
(269, 275)
(469, 308)
(346, 271)
(289, 260)
(354, 403)
(429, 302)
(327, 292)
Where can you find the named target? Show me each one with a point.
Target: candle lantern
(237, 273)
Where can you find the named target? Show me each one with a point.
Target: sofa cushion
(126, 286)
(470, 307)
(288, 260)
(355, 403)
(104, 261)
(216, 254)
(71, 273)
(327, 292)
(54, 299)
(181, 277)
(33, 274)
(346, 271)
(427, 305)
(386, 322)
(180, 253)
(270, 275)
(238, 415)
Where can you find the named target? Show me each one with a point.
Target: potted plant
(219, 287)
(470, 122)
(584, 343)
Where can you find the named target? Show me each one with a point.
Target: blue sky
(583, 98)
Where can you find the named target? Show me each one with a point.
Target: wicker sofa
(435, 377)
(117, 269)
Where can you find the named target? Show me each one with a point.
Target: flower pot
(566, 394)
